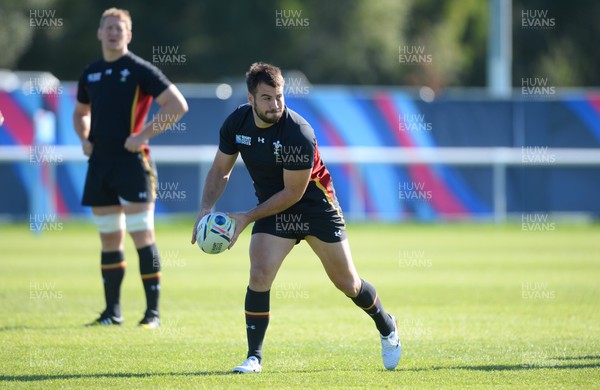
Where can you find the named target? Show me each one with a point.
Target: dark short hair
(261, 72)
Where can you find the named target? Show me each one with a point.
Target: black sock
(113, 270)
(257, 319)
(150, 273)
(368, 300)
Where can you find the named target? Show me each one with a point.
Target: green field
(478, 306)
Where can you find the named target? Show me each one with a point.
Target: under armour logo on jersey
(143, 195)
(124, 74)
(108, 71)
(338, 233)
(261, 140)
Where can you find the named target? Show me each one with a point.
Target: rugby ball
(214, 232)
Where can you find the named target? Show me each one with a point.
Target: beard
(272, 116)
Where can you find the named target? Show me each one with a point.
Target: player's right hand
(241, 221)
(203, 212)
(87, 147)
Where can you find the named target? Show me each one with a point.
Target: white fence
(498, 158)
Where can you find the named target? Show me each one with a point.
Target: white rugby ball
(214, 232)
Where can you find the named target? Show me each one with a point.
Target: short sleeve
(227, 143)
(82, 90)
(152, 80)
(298, 148)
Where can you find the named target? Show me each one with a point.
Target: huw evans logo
(291, 223)
(537, 155)
(168, 258)
(46, 359)
(290, 154)
(536, 19)
(414, 54)
(45, 155)
(170, 191)
(168, 123)
(44, 19)
(295, 86)
(44, 222)
(290, 19)
(537, 290)
(43, 85)
(413, 191)
(537, 223)
(167, 55)
(413, 123)
(411, 258)
(291, 291)
(44, 290)
(537, 86)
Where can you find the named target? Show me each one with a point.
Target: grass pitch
(478, 306)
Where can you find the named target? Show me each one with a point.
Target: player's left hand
(135, 142)
(241, 221)
(203, 212)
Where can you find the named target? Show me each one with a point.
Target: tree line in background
(382, 42)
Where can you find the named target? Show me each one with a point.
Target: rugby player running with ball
(280, 151)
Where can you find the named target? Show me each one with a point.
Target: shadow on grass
(518, 367)
(513, 367)
(36, 378)
(491, 367)
(14, 328)
(588, 357)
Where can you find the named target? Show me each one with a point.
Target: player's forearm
(213, 188)
(277, 203)
(167, 116)
(81, 124)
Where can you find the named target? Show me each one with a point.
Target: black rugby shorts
(326, 223)
(130, 178)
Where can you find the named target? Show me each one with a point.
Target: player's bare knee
(112, 241)
(348, 286)
(260, 278)
(142, 238)
(259, 285)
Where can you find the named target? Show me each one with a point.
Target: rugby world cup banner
(340, 116)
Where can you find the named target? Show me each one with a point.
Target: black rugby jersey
(120, 94)
(288, 144)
